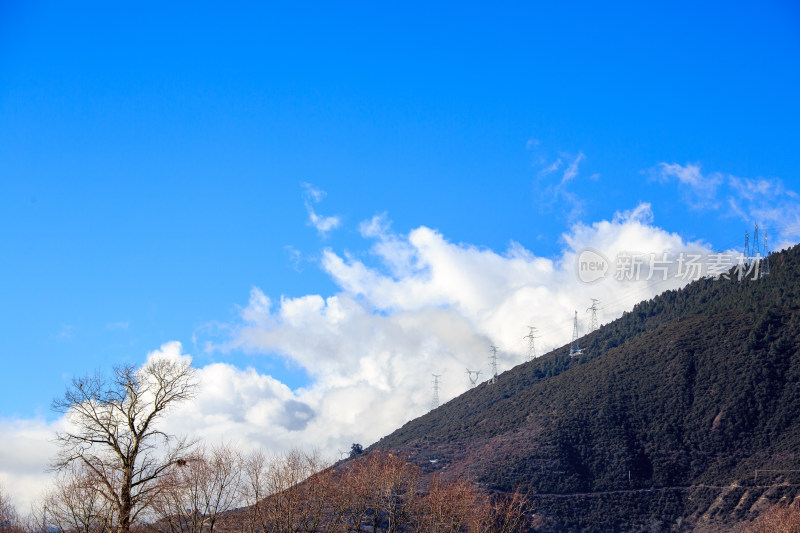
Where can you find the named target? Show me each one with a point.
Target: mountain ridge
(693, 389)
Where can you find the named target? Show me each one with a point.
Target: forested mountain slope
(662, 423)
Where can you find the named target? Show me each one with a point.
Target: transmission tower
(575, 349)
(531, 336)
(593, 309)
(474, 376)
(746, 248)
(493, 359)
(755, 255)
(435, 400)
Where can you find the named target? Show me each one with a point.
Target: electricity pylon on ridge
(474, 376)
(756, 258)
(575, 349)
(746, 249)
(435, 399)
(493, 359)
(531, 336)
(593, 325)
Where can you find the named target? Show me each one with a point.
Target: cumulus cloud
(26, 449)
(430, 306)
(323, 224)
(425, 306)
(241, 406)
(170, 351)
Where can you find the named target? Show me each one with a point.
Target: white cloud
(688, 174)
(552, 167)
(700, 191)
(170, 351)
(430, 306)
(768, 203)
(559, 192)
(26, 449)
(763, 201)
(295, 257)
(377, 226)
(572, 169)
(322, 224)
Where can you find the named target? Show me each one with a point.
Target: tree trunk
(126, 503)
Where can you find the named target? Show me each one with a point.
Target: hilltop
(684, 412)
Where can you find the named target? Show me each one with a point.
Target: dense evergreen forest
(683, 412)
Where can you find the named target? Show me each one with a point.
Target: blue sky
(159, 162)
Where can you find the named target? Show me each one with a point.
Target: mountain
(684, 413)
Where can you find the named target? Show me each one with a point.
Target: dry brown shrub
(777, 519)
(450, 507)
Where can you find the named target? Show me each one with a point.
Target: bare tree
(114, 432)
(380, 490)
(289, 493)
(254, 491)
(508, 512)
(74, 504)
(196, 494)
(9, 520)
(451, 507)
(293, 493)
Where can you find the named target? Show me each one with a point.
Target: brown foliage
(286, 494)
(508, 513)
(777, 519)
(452, 507)
(197, 491)
(379, 492)
(221, 490)
(75, 503)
